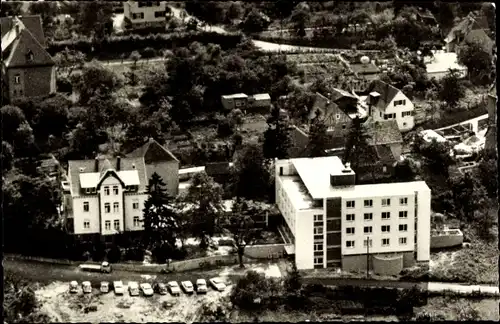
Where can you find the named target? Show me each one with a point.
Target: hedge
(117, 46)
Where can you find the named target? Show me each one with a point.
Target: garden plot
(98, 308)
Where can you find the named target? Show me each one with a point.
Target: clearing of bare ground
(61, 306)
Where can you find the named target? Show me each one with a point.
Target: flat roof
(262, 96)
(442, 62)
(189, 170)
(314, 174)
(236, 95)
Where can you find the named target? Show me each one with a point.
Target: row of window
(393, 115)
(107, 206)
(385, 242)
(369, 216)
(369, 202)
(116, 223)
(384, 229)
(141, 4)
(139, 15)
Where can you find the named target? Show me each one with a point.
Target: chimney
(118, 161)
(17, 28)
(96, 164)
(373, 98)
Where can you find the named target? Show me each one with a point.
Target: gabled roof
(153, 152)
(89, 167)
(383, 132)
(32, 23)
(368, 68)
(387, 93)
(479, 35)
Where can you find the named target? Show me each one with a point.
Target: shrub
(148, 52)
(135, 254)
(64, 85)
(114, 254)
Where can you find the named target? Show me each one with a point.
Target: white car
(104, 287)
(174, 288)
(147, 290)
(217, 284)
(86, 287)
(118, 287)
(187, 286)
(133, 288)
(73, 287)
(201, 286)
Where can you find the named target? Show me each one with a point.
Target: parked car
(161, 288)
(201, 286)
(118, 287)
(146, 289)
(174, 288)
(217, 284)
(104, 287)
(86, 287)
(133, 288)
(73, 287)
(187, 286)
(104, 267)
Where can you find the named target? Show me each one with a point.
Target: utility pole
(368, 258)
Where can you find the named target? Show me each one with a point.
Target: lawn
(455, 309)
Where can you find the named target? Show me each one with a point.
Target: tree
(487, 172)
(97, 81)
(11, 8)
(436, 155)
(300, 17)
(468, 195)
(160, 218)
(12, 117)
(46, 9)
(251, 174)
(134, 56)
(293, 280)
(451, 89)
(24, 140)
(235, 11)
(254, 22)
(204, 198)
(95, 19)
(318, 138)
(477, 59)
(357, 150)
(52, 117)
(68, 61)
(277, 139)
(6, 156)
(241, 226)
(403, 172)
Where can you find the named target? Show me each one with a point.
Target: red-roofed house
(27, 69)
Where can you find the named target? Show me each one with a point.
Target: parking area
(95, 307)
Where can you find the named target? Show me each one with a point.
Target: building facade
(27, 68)
(334, 223)
(140, 14)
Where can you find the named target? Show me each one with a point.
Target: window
(318, 261)
(349, 244)
(350, 204)
(403, 214)
(350, 230)
(384, 169)
(318, 218)
(406, 113)
(116, 224)
(399, 102)
(386, 228)
(403, 201)
(386, 215)
(318, 230)
(368, 203)
(403, 227)
(368, 229)
(350, 217)
(29, 56)
(368, 216)
(402, 241)
(365, 242)
(318, 247)
(138, 15)
(159, 14)
(389, 116)
(116, 207)
(137, 222)
(107, 225)
(386, 202)
(107, 207)
(343, 126)
(115, 190)
(338, 116)
(86, 223)
(135, 204)
(385, 242)
(106, 191)
(17, 79)
(85, 206)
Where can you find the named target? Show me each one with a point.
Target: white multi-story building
(140, 14)
(330, 221)
(106, 196)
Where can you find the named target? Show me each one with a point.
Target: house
(474, 23)
(105, 196)
(491, 133)
(27, 68)
(330, 222)
(237, 100)
(140, 14)
(260, 102)
(385, 102)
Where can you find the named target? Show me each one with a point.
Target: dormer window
(29, 56)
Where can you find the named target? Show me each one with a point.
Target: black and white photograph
(249, 161)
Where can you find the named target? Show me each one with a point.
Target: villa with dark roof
(27, 68)
(473, 27)
(106, 196)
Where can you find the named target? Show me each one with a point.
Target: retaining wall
(385, 265)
